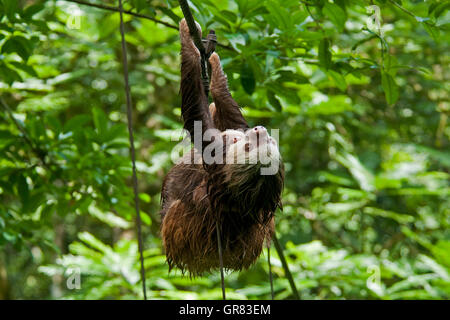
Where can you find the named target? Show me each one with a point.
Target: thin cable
(272, 294)
(132, 150)
(222, 276)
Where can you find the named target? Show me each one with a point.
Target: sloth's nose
(259, 130)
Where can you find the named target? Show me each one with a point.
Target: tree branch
(139, 15)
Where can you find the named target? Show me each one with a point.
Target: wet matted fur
(196, 196)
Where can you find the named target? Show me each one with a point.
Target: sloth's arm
(226, 112)
(194, 103)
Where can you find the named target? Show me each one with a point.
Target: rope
(132, 150)
(272, 294)
(222, 277)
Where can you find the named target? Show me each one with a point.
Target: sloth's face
(252, 146)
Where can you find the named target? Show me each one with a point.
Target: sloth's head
(240, 151)
(251, 178)
(252, 147)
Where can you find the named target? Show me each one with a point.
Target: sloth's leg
(189, 51)
(212, 111)
(194, 103)
(227, 112)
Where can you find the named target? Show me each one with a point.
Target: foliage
(358, 89)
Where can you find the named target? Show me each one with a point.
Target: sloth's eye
(235, 140)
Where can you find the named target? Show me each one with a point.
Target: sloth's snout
(260, 131)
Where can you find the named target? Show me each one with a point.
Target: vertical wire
(272, 294)
(219, 244)
(132, 150)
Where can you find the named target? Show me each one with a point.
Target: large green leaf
(248, 78)
(336, 14)
(390, 88)
(325, 53)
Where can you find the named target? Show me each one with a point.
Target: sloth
(232, 192)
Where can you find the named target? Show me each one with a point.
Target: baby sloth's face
(253, 146)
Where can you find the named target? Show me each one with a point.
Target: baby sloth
(233, 177)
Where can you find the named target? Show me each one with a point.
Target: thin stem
(403, 9)
(222, 276)
(285, 267)
(110, 8)
(272, 294)
(139, 15)
(132, 150)
(395, 4)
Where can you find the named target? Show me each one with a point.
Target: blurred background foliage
(359, 90)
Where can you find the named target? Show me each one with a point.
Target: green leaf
(390, 88)
(400, 218)
(290, 76)
(325, 53)
(100, 122)
(432, 30)
(437, 9)
(76, 122)
(170, 14)
(146, 218)
(274, 102)
(344, 207)
(335, 104)
(8, 75)
(284, 92)
(30, 11)
(23, 189)
(228, 15)
(53, 101)
(11, 8)
(336, 14)
(360, 173)
(95, 243)
(338, 79)
(19, 45)
(139, 4)
(144, 197)
(248, 78)
(109, 218)
(25, 68)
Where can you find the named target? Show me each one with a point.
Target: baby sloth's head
(254, 147)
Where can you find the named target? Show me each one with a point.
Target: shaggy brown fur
(196, 196)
